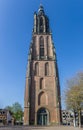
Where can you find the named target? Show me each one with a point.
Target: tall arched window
(46, 69)
(41, 83)
(41, 24)
(41, 47)
(37, 69)
(42, 98)
(47, 39)
(34, 39)
(34, 48)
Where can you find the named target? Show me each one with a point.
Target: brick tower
(42, 105)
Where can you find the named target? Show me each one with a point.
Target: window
(41, 47)
(47, 39)
(46, 69)
(34, 53)
(42, 98)
(41, 83)
(41, 24)
(34, 39)
(36, 68)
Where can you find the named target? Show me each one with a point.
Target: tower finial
(41, 4)
(41, 9)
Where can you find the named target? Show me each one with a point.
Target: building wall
(5, 117)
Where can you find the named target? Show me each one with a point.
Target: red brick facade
(42, 105)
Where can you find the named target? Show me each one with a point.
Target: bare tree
(74, 95)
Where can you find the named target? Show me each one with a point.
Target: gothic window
(41, 83)
(41, 24)
(47, 45)
(34, 47)
(42, 99)
(46, 69)
(41, 21)
(47, 39)
(34, 40)
(36, 68)
(41, 47)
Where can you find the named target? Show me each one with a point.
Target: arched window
(37, 69)
(41, 83)
(34, 48)
(34, 39)
(41, 24)
(46, 69)
(42, 99)
(41, 47)
(47, 39)
(41, 21)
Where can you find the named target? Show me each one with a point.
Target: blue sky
(16, 23)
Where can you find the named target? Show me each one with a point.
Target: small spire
(41, 4)
(41, 9)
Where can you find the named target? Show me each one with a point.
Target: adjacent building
(69, 118)
(5, 117)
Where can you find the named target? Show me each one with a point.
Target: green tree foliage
(16, 107)
(16, 111)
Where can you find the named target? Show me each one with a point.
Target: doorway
(42, 116)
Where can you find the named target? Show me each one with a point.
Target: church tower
(42, 103)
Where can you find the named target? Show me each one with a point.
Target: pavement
(39, 128)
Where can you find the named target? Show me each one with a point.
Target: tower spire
(41, 9)
(41, 22)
